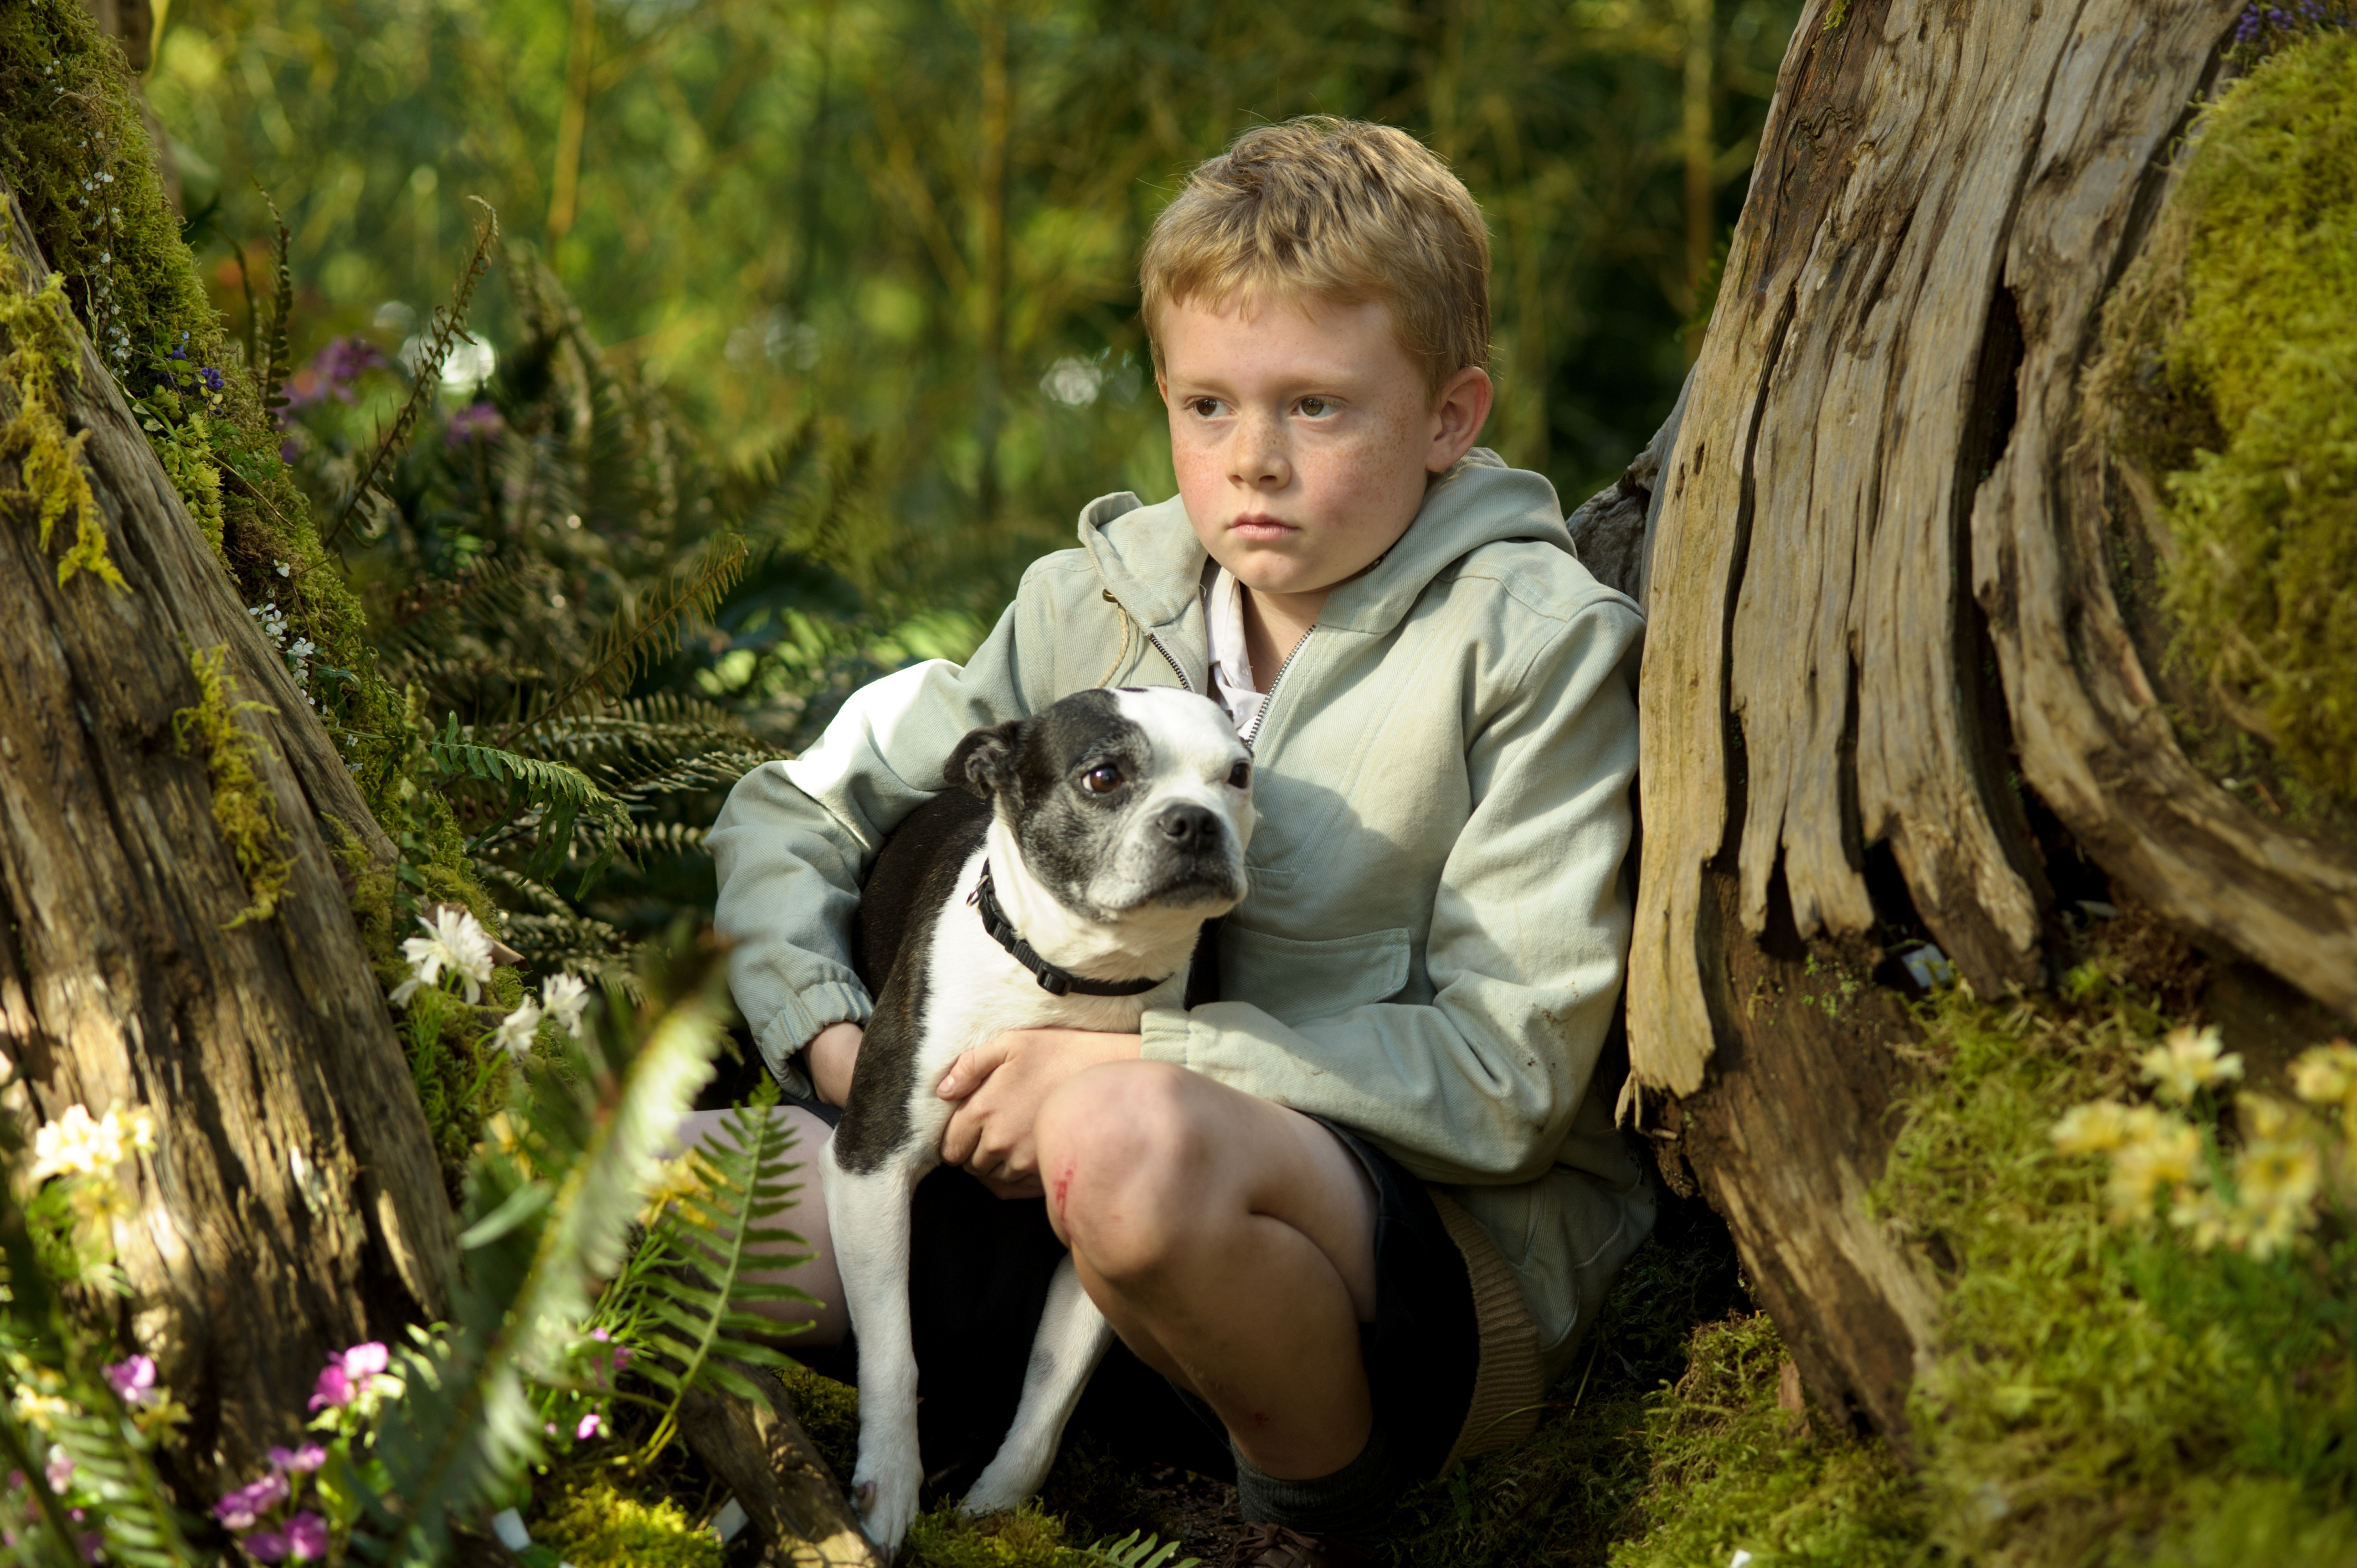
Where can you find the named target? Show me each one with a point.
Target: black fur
(913, 881)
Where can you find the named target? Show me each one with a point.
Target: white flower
(2188, 1061)
(566, 999)
(74, 1144)
(515, 1031)
(453, 938)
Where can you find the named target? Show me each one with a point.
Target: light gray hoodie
(1438, 920)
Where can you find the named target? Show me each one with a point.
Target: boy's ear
(983, 762)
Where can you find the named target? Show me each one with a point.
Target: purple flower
(266, 1545)
(344, 361)
(92, 1545)
(212, 378)
(477, 421)
(180, 353)
(240, 1509)
(621, 1356)
(333, 1389)
(298, 1461)
(133, 1380)
(307, 1536)
(591, 1425)
(288, 451)
(366, 1361)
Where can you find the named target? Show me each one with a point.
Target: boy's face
(1303, 436)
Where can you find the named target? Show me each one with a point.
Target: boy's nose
(1261, 462)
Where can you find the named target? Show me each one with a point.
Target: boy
(1418, 984)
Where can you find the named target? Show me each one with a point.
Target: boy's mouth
(1260, 525)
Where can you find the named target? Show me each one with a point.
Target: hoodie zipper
(1261, 717)
(1168, 657)
(1172, 660)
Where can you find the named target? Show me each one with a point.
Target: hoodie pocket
(1294, 981)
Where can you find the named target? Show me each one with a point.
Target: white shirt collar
(1231, 670)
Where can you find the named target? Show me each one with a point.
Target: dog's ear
(983, 762)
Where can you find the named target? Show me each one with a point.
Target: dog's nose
(1190, 827)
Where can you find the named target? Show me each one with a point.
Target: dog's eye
(1240, 776)
(1102, 780)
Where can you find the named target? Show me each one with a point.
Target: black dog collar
(1054, 980)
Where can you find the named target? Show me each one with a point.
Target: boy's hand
(1003, 1081)
(830, 1058)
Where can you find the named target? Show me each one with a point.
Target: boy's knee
(1125, 1154)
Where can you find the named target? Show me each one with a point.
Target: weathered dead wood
(1882, 623)
(294, 1204)
(789, 1496)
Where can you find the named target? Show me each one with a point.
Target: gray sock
(1354, 1502)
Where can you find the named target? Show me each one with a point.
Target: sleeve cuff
(1165, 1034)
(807, 1012)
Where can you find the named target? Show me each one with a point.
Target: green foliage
(602, 1527)
(2231, 364)
(1030, 1537)
(548, 1205)
(685, 1301)
(1731, 1472)
(41, 347)
(243, 808)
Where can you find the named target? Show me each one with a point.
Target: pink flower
(366, 1361)
(61, 1468)
(476, 422)
(591, 1425)
(599, 1335)
(307, 1536)
(298, 1461)
(242, 1508)
(621, 1356)
(266, 1545)
(334, 1388)
(133, 1380)
(93, 1546)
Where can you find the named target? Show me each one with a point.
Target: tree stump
(1887, 678)
(294, 1204)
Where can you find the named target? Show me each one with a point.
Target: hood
(1151, 563)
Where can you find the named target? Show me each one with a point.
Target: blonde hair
(1335, 209)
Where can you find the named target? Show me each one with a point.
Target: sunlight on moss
(42, 347)
(2231, 363)
(601, 1527)
(243, 807)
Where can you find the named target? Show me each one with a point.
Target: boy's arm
(1530, 933)
(793, 844)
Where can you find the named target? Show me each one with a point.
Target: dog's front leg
(869, 1216)
(1072, 1338)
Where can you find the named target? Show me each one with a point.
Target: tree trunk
(1887, 682)
(294, 1204)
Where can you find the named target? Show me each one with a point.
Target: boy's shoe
(1274, 1546)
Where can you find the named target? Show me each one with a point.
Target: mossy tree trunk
(294, 1204)
(1889, 687)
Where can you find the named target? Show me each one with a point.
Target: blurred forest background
(849, 290)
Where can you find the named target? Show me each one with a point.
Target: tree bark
(1887, 682)
(293, 1206)
(792, 1502)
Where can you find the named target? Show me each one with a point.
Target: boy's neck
(1275, 625)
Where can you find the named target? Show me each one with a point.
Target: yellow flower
(2208, 1217)
(39, 1410)
(2188, 1060)
(675, 1180)
(2164, 1153)
(2275, 1183)
(2325, 1075)
(2095, 1128)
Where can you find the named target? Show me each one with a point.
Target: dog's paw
(1004, 1482)
(887, 1498)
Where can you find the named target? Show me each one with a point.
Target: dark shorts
(979, 1277)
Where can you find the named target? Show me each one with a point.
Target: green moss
(41, 348)
(601, 1527)
(243, 807)
(2231, 369)
(1731, 1470)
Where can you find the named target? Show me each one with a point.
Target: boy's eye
(1240, 776)
(1102, 780)
(1315, 407)
(1205, 407)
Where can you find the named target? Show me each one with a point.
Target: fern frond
(275, 366)
(546, 1215)
(697, 1308)
(553, 941)
(434, 347)
(1138, 1550)
(635, 636)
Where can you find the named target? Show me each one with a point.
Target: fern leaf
(1138, 1550)
(634, 639)
(434, 347)
(588, 1135)
(696, 1308)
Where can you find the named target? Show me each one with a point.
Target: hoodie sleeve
(1528, 942)
(793, 844)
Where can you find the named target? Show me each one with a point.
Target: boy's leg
(816, 1277)
(1230, 1243)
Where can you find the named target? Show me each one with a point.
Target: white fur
(975, 991)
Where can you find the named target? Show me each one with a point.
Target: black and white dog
(1064, 887)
